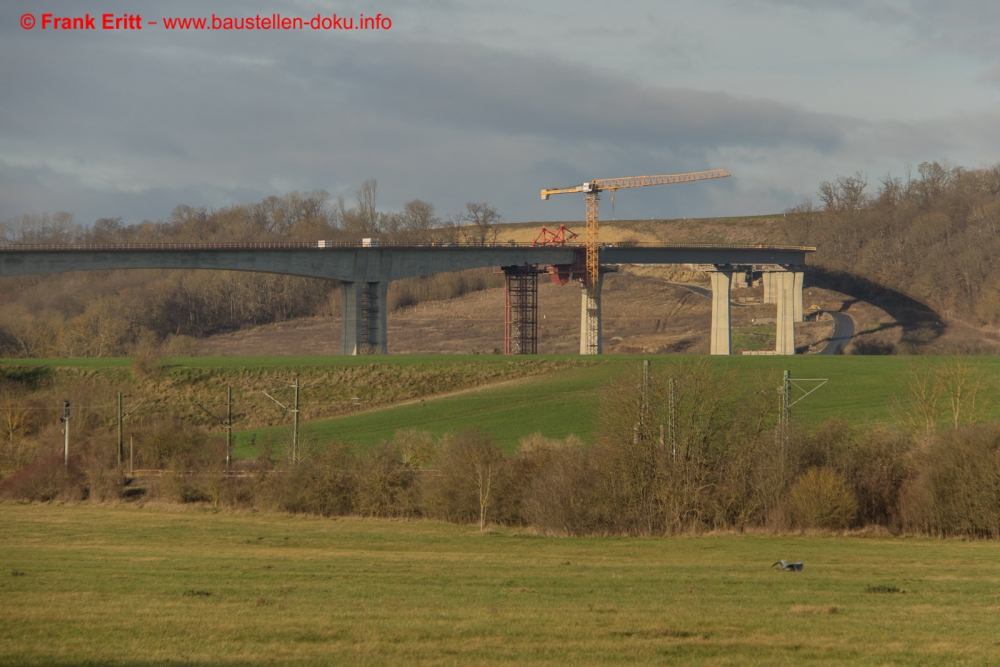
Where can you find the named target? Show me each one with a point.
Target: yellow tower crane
(592, 190)
(590, 333)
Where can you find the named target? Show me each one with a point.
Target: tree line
(679, 450)
(117, 313)
(933, 235)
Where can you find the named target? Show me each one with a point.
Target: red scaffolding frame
(520, 309)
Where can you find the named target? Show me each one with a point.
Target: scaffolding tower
(369, 319)
(520, 309)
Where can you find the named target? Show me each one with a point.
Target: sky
(489, 102)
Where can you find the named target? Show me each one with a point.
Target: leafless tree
(482, 220)
(418, 216)
(846, 193)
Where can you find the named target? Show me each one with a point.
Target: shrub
(44, 480)
(322, 485)
(470, 476)
(956, 488)
(820, 498)
(385, 484)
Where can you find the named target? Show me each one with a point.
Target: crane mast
(591, 191)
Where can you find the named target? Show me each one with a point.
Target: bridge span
(364, 273)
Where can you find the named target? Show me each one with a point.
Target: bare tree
(482, 220)
(921, 408)
(847, 193)
(418, 216)
(367, 211)
(963, 385)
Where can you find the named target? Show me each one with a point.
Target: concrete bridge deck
(365, 272)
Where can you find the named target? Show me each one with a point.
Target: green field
(82, 584)
(560, 402)
(860, 390)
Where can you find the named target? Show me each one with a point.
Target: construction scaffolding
(520, 309)
(369, 319)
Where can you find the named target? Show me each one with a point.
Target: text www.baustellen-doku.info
(47, 21)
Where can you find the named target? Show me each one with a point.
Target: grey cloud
(471, 87)
(958, 26)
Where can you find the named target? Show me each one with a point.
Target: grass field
(559, 402)
(860, 390)
(83, 584)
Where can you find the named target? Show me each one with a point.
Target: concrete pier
(783, 287)
(798, 278)
(767, 279)
(363, 323)
(590, 319)
(721, 339)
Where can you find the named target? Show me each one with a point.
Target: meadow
(861, 389)
(86, 584)
(510, 398)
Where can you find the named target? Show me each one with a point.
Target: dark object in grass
(789, 567)
(18, 573)
(883, 589)
(193, 592)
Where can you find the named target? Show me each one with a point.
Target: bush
(385, 484)
(322, 485)
(471, 475)
(956, 488)
(44, 480)
(820, 498)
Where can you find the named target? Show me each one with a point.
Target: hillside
(912, 261)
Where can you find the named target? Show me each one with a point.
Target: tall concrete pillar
(784, 288)
(590, 319)
(797, 281)
(363, 323)
(770, 292)
(721, 281)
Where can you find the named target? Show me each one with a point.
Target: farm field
(511, 398)
(86, 584)
(860, 389)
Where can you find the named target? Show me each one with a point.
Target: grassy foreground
(84, 584)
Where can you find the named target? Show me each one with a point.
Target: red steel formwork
(520, 309)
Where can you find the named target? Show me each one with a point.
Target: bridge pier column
(798, 278)
(770, 293)
(590, 319)
(721, 281)
(784, 288)
(363, 323)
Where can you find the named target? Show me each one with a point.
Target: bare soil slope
(643, 313)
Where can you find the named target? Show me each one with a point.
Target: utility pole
(229, 426)
(784, 411)
(785, 404)
(65, 421)
(295, 426)
(295, 418)
(672, 418)
(121, 426)
(640, 426)
(227, 422)
(121, 441)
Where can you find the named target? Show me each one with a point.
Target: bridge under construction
(364, 273)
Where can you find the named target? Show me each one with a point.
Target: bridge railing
(327, 245)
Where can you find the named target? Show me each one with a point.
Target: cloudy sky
(477, 101)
